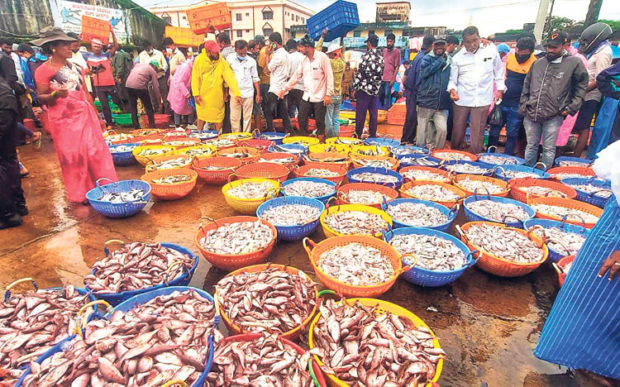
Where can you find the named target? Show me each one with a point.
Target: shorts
(586, 114)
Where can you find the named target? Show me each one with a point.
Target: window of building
(239, 33)
(267, 13)
(302, 20)
(184, 17)
(238, 17)
(296, 17)
(267, 29)
(357, 33)
(166, 18)
(292, 17)
(247, 14)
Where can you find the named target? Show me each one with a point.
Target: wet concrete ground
(488, 325)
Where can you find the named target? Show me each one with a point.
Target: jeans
(264, 90)
(411, 119)
(513, 121)
(440, 119)
(273, 103)
(306, 108)
(332, 123)
(102, 93)
(385, 95)
(548, 130)
(366, 103)
(143, 95)
(183, 119)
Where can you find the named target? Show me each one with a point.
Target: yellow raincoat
(209, 78)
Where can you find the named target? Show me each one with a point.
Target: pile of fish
(266, 361)
(479, 186)
(215, 168)
(433, 192)
(177, 143)
(202, 135)
(137, 266)
(421, 174)
(592, 189)
(348, 141)
(387, 163)
(356, 264)
(272, 300)
(374, 151)
(398, 151)
(561, 176)
(133, 195)
(339, 158)
(118, 137)
(179, 162)
(238, 136)
(372, 177)
(566, 268)
(148, 152)
(320, 172)
(561, 241)
(199, 152)
(364, 348)
(452, 156)
(416, 214)
(221, 142)
(238, 238)
(291, 214)
(174, 179)
(364, 196)
(122, 148)
(162, 340)
(283, 160)
(310, 189)
(431, 252)
(570, 163)
(538, 190)
(498, 211)
(271, 137)
(504, 243)
(421, 161)
(251, 190)
(355, 222)
(510, 174)
(561, 212)
(239, 154)
(32, 322)
(498, 160)
(466, 168)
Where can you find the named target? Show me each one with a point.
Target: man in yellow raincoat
(211, 73)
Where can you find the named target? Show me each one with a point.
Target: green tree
(614, 24)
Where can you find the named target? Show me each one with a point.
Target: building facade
(249, 18)
(393, 11)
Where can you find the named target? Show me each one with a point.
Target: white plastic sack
(606, 166)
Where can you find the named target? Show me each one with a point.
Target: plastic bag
(496, 117)
(606, 166)
(602, 127)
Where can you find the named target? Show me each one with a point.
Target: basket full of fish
(590, 190)
(375, 161)
(258, 143)
(492, 156)
(453, 155)
(298, 150)
(310, 187)
(245, 195)
(495, 209)
(33, 322)
(467, 167)
(472, 184)
(122, 154)
(237, 241)
(295, 217)
(331, 172)
(524, 189)
(169, 162)
(139, 267)
(119, 199)
(442, 193)
(355, 266)
(561, 173)
(367, 194)
(572, 211)
(408, 212)
(275, 137)
(374, 175)
(267, 298)
(565, 161)
(344, 330)
(221, 143)
(354, 219)
(369, 150)
(504, 251)
(414, 173)
(182, 142)
(419, 160)
(144, 153)
(440, 258)
(562, 239)
(198, 151)
(215, 170)
(171, 184)
(203, 135)
(401, 150)
(246, 154)
(287, 159)
(153, 339)
(509, 172)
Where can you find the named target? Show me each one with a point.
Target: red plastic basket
(171, 191)
(559, 268)
(218, 176)
(253, 153)
(346, 131)
(342, 192)
(261, 145)
(272, 171)
(341, 170)
(584, 171)
(516, 186)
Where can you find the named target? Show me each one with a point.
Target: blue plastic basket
(60, 346)
(415, 160)
(322, 199)
(183, 280)
(276, 137)
(406, 150)
(431, 278)
(473, 217)
(590, 198)
(584, 162)
(339, 18)
(380, 141)
(451, 213)
(122, 159)
(499, 170)
(118, 210)
(383, 171)
(509, 159)
(292, 233)
(548, 223)
(296, 149)
(486, 166)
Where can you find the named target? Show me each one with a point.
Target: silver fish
(371, 177)
(356, 264)
(431, 252)
(251, 190)
(432, 192)
(364, 196)
(498, 160)
(592, 189)
(416, 214)
(421, 174)
(238, 238)
(447, 155)
(320, 172)
(466, 168)
(173, 179)
(560, 212)
(355, 222)
(122, 148)
(504, 243)
(537, 190)
(291, 214)
(375, 163)
(560, 241)
(154, 151)
(179, 162)
(479, 186)
(497, 211)
(562, 176)
(309, 189)
(133, 195)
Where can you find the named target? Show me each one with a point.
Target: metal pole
(541, 18)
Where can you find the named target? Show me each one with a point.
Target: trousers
(236, 110)
(143, 95)
(366, 103)
(273, 103)
(477, 123)
(306, 108)
(513, 121)
(332, 122)
(440, 120)
(548, 130)
(102, 93)
(11, 193)
(411, 119)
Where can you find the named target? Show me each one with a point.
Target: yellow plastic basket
(249, 206)
(303, 140)
(203, 147)
(154, 161)
(144, 160)
(237, 136)
(369, 150)
(344, 141)
(359, 161)
(352, 207)
(381, 308)
(329, 147)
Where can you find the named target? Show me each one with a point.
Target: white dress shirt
(295, 59)
(279, 68)
(317, 76)
(157, 56)
(245, 72)
(472, 76)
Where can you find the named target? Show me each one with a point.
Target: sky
(489, 16)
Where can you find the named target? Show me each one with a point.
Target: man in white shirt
(278, 66)
(148, 55)
(294, 95)
(473, 72)
(246, 73)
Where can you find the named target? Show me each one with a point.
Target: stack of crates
(216, 15)
(339, 18)
(95, 28)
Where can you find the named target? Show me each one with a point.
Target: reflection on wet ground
(488, 326)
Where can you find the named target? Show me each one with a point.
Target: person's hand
(499, 94)
(564, 113)
(324, 33)
(61, 93)
(258, 99)
(281, 94)
(187, 97)
(612, 264)
(454, 95)
(238, 99)
(197, 99)
(391, 84)
(327, 100)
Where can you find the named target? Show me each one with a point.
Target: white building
(249, 18)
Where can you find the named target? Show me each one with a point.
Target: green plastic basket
(123, 119)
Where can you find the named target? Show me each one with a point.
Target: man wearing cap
(366, 84)
(391, 60)
(140, 76)
(316, 72)
(209, 74)
(100, 69)
(553, 89)
(277, 62)
(335, 52)
(473, 72)
(432, 98)
(411, 90)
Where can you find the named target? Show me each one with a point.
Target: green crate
(123, 119)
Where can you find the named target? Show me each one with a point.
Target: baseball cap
(373, 39)
(557, 38)
(440, 40)
(333, 47)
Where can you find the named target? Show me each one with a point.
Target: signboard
(359, 42)
(69, 18)
(184, 37)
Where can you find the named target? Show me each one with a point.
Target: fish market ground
(488, 325)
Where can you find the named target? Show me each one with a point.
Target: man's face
(97, 48)
(213, 55)
(554, 50)
(301, 49)
(523, 52)
(439, 49)
(75, 46)
(6, 48)
(149, 49)
(471, 43)
(390, 44)
(242, 51)
(450, 47)
(308, 51)
(24, 54)
(347, 67)
(170, 48)
(333, 55)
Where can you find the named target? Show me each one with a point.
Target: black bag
(495, 117)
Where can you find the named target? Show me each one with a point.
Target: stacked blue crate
(339, 18)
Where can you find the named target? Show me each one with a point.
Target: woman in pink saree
(180, 91)
(74, 123)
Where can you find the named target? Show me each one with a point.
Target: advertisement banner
(69, 18)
